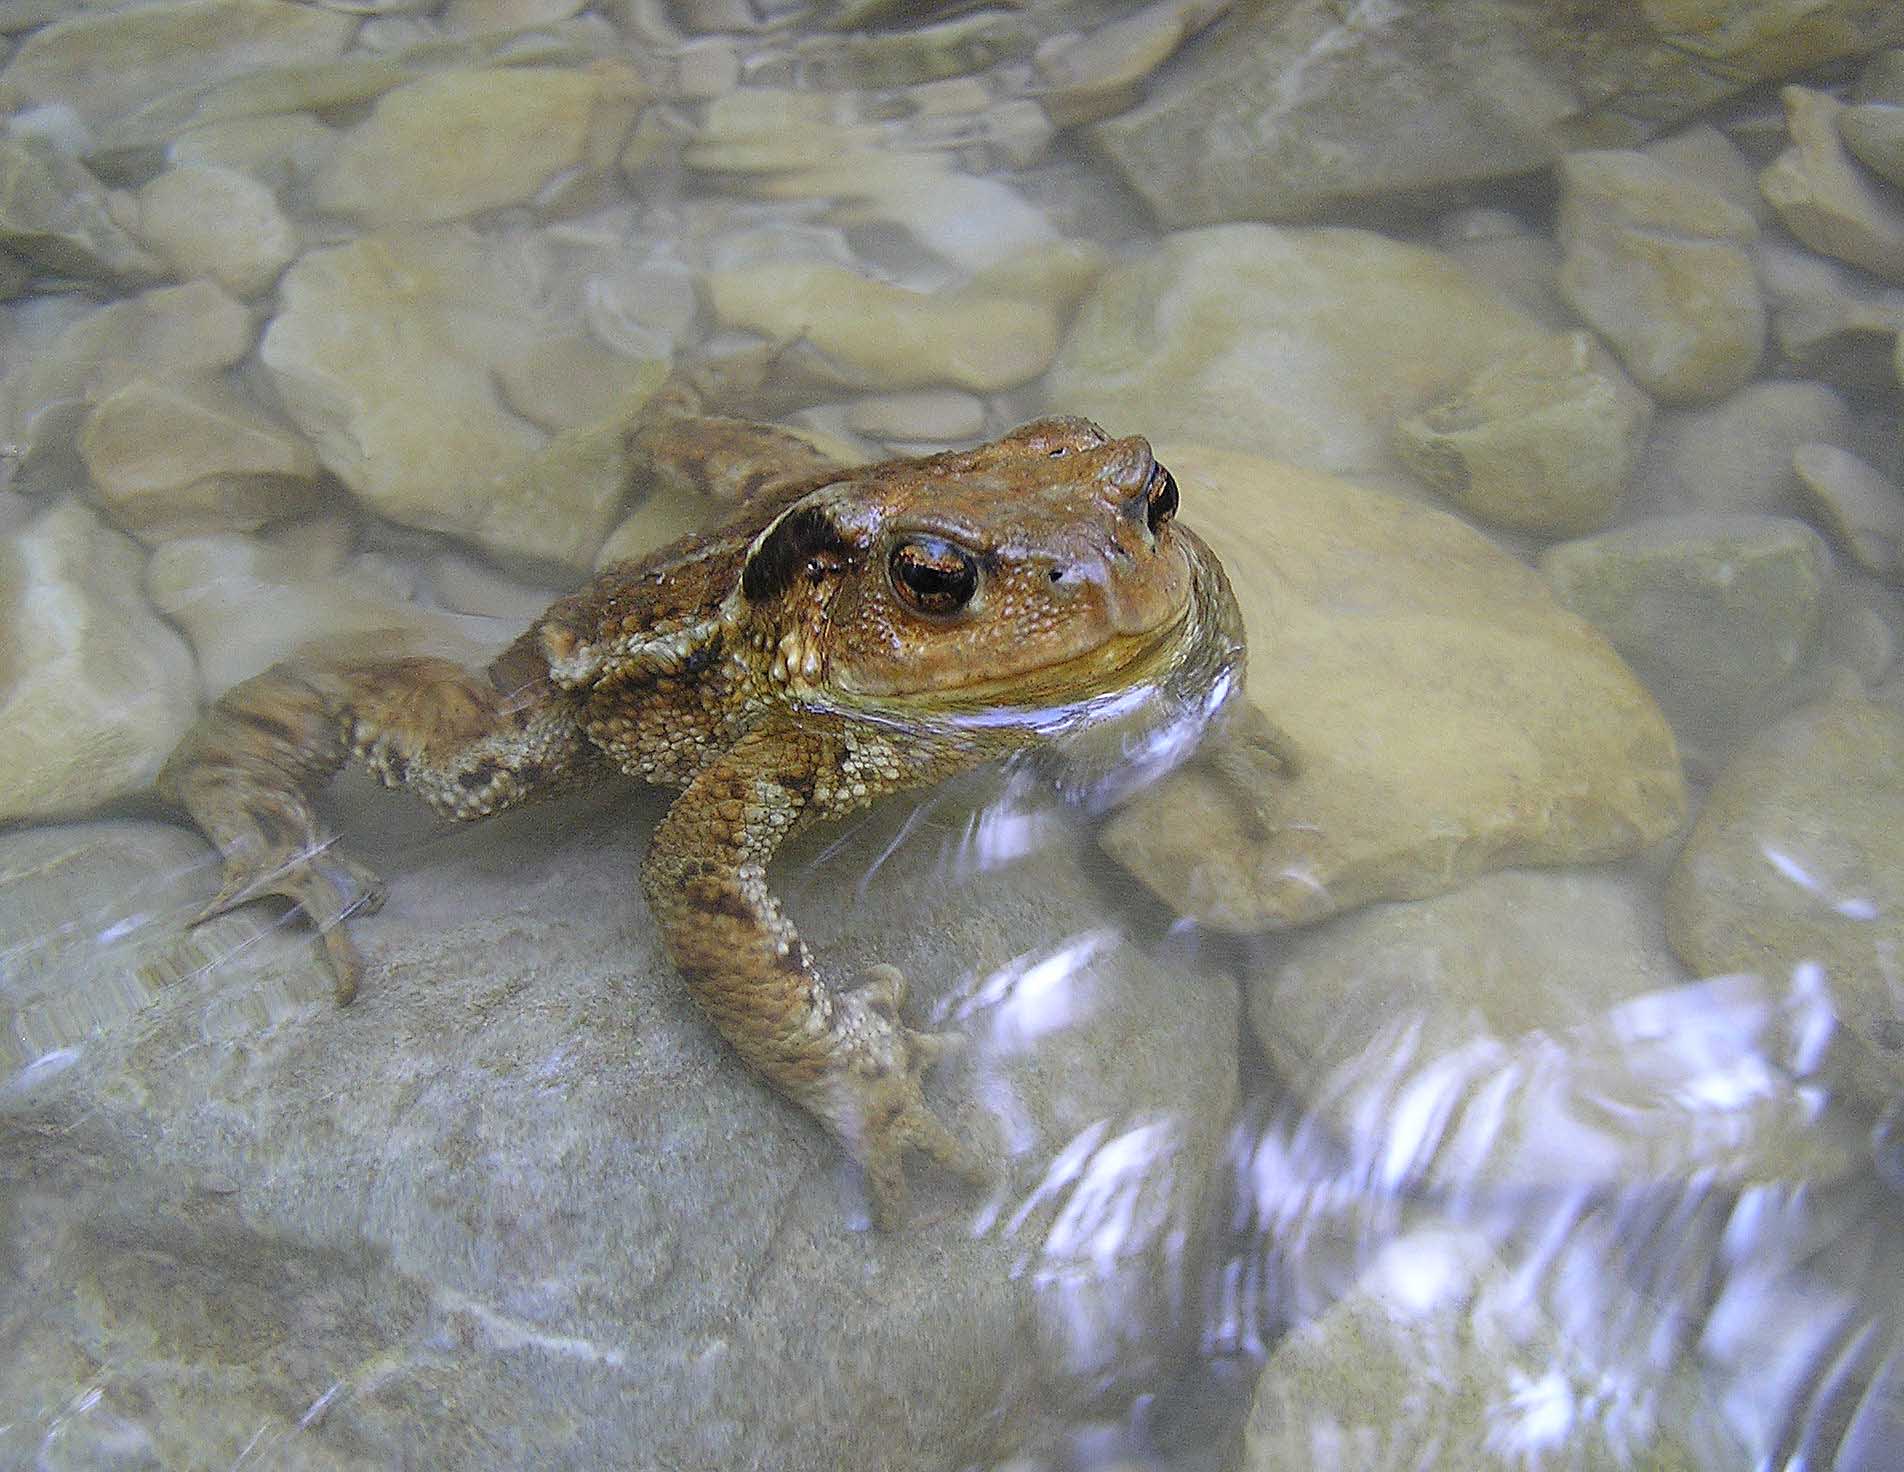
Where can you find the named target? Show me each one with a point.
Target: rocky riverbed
(1513, 1071)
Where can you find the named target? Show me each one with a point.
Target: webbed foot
(322, 883)
(875, 1104)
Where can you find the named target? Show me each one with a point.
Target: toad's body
(848, 634)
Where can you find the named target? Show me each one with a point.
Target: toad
(847, 634)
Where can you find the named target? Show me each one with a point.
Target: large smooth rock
(192, 454)
(1714, 612)
(106, 62)
(460, 142)
(1657, 264)
(1531, 1030)
(95, 688)
(1797, 865)
(1303, 345)
(1446, 716)
(520, 1197)
(1287, 111)
(392, 352)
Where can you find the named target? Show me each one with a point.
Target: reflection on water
(1467, 1039)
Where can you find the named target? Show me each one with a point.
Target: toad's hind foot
(469, 743)
(874, 1102)
(321, 883)
(242, 774)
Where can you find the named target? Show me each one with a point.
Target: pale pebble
(1823, 198)
(1863, 511)
(174, 455)
(95, 688)
(218, 223)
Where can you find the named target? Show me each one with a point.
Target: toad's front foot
(872, 1100)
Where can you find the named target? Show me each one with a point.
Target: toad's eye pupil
(934, 576)
(1163, 502)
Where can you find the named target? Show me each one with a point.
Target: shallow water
(1486, 1056)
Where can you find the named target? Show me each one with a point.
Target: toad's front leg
(844, 1055)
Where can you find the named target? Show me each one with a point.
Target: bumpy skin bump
(848, 634)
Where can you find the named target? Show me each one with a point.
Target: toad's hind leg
(469, 743)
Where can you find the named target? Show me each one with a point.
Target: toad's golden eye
(934, 576)
(1162, 500)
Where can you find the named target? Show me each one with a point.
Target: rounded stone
(1714, 612)
(1657, 264)
(1304, 345)
(459, 142)
(1874, 132)
(1795, 872)
(95, 688)
(1541, 442)
(218, 223)
(1443, 714)
(1823, 198)
(171, 456)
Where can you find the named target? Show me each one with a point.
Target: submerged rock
(218, 223)
(248, 602)
(1289, 111)
(95, 688)
(1875, 133)
(191, 454)
(460, 142)
(182, 331)
(886, 336)
(53, 214)
(1443, 1353)
(1542, 442)
(1822, 197)
(1737, 456)
(393, 353)
(1657, 263)
(519, 1194)
(1796, 869)
(1445, 715)
(1531, 1030)
(1864, 511)
(107, 62)
(1714, 612)
(1303, 345)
